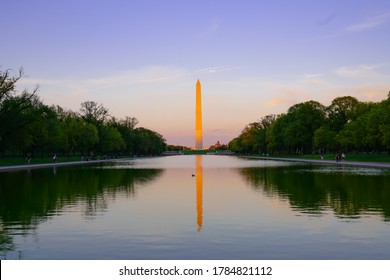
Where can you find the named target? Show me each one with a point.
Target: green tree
(16, 111)
(253, 138)
(94, 113)
(384, 127)
(346, 124)
(235, 145)
(342, 110)
(303, 120)
(126, 128)
(276, 135)
(111, 140)
(80, 136)
(324, 139)
(148, 142)
(87, 137)
(47, 134)
(27, 125)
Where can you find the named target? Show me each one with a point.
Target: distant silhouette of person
(28, 159)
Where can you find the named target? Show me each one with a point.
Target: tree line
(346, 125)
(29, 127)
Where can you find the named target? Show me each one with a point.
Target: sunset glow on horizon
(254, 58)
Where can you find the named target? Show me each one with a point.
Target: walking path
(58, 164)
(45, 165)
(350, 163)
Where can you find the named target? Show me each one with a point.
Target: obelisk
(198, 118)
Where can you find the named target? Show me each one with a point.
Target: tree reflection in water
(348, 192)
(24, 203)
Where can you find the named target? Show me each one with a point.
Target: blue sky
(253, 58)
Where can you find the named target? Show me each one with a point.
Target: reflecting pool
(195, 207)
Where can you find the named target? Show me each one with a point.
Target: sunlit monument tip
(198, 118)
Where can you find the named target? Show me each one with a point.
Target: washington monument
(198, 118)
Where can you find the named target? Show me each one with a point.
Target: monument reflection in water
(199, 190)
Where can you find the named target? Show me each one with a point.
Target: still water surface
(196, 207)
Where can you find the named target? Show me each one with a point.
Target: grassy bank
(195, 152)
(364, 157)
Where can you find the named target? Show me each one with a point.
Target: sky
(142, 58)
